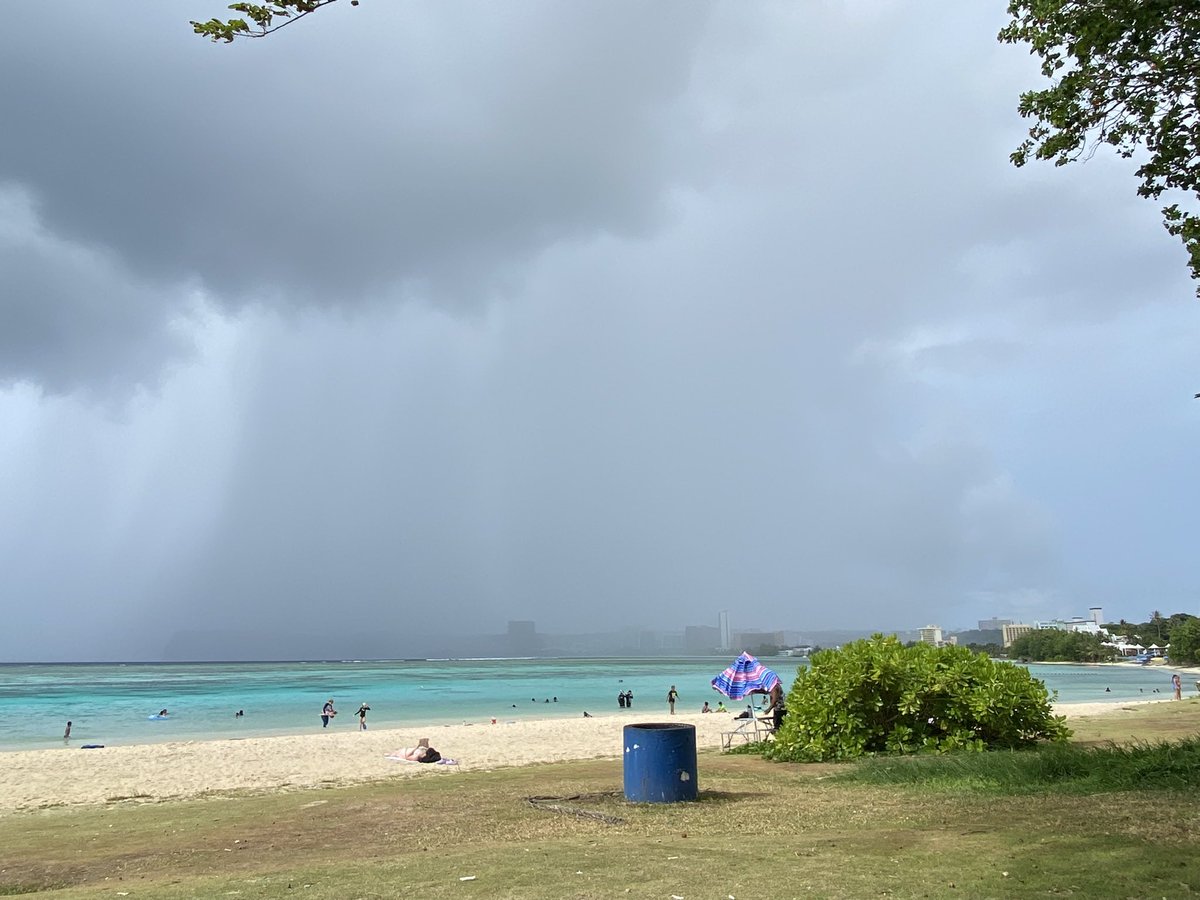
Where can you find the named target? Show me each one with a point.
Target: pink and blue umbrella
(746, 676)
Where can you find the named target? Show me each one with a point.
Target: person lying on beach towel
(422, 753)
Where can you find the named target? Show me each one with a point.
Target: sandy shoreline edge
(148, 772)
(70, 776)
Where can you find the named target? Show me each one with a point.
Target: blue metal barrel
(660, 762)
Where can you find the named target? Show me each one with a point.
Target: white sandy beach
(41, 778)
(149, 772)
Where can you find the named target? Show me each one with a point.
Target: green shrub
(878, 696)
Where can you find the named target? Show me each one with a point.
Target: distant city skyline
(523, 638)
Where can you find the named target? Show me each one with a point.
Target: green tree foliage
(1053, 645)
(1185, 642)
(1158, 629)
(878, 696)
(1156, 622)
(1173, 622)
(992, 650)
(1123, 73)
(259, 19)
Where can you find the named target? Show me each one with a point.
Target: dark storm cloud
(74, 318)
(599, 314)
(421, 153)
(397, 151)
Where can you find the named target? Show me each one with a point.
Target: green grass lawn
(759, 830)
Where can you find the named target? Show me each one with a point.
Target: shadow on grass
(592, 805)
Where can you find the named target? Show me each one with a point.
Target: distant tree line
(1056, 645)
(1158, 629)
(1181, 631)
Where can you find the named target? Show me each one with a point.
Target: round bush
(878, 696)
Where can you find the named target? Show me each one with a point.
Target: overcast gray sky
(422, 316)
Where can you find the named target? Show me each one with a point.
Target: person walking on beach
(362, 717)
(327, 713)
(1176, 683)
(672, 696)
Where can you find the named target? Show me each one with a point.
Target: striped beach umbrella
(746, 676)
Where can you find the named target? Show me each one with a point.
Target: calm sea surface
(112, 703)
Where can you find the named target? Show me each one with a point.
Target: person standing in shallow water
(672, 696)
(362, 717)
(67, 733)
(327, 713)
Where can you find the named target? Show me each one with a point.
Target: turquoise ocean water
(111, 703)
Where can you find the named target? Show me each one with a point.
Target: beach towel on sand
(398, 756)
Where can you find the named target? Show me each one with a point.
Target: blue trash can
(660, 762)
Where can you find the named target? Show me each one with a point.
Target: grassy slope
(760, 830)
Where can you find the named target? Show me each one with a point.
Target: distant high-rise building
(931, 634)
(723, 627)
(1075, 623)
(1012, 631)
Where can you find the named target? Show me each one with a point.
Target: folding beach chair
(748, 731)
